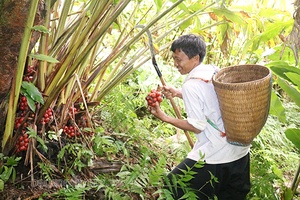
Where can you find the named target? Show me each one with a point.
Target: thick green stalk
(125, 72)
(63, 75)
(69, 56)
(126, 25)
(296, 180)
(14, 95)
(63, 18)
(84, 72)
(110, 77)
(43, 49)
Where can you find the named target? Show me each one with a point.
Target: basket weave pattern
(244, 96)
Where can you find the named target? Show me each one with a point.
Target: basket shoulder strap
(206, 80)
(202, 79)
(222, 133)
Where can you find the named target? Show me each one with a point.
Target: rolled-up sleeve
(198, 124)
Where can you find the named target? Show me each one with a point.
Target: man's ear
(197, 58)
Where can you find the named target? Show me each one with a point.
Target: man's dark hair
(191, 45)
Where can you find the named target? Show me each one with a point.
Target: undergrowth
(274, 159)
(149, 158)
(153, 148)
(148, 149)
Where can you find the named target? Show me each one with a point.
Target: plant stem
(296, 180)
(16, 86)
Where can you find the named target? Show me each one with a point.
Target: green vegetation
(77, 123)
(147, 152)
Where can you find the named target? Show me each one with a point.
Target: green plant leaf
(295, 78)
(12, 161)
(33, 134)
(288, 194)
(44, 58)
(286, 56)
(33, 92)
(275, 29)
(277, 171)
(61, 153)
(14, 175)
(158, 4)
(290, 90)
(293, 135)
(41, 28)
(30, 102)
(196, 6)
(281, 68)
(6, 173)
(181, 6)
(186, 178)
(1, 185)
(268, 12)
(247, 46)
(42, 143)
(276, 108)
(53, 136)
(229, 15)
(186, 24)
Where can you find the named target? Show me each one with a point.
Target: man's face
(183, 63)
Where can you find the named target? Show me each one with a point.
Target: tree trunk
(293, 39)
(13, 16)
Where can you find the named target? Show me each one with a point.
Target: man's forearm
(182, 124)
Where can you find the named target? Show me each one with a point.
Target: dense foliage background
(75, 113)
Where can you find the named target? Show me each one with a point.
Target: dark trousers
(233, 179)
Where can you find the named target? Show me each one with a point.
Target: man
(227, 162)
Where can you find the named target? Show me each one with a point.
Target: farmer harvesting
(227, 162)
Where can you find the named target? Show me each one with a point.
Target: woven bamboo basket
(244, 93)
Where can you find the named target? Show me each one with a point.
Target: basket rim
(242, 83)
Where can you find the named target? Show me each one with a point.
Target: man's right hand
(171, 92)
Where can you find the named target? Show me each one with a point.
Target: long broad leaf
(290, 90)
(293, 135)
(276, 108)
(295, 78)
(44, 58)
(281, 68)
(229, 15)
(33, 92)
(275, 29)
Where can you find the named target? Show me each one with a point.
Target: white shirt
(201, 102)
